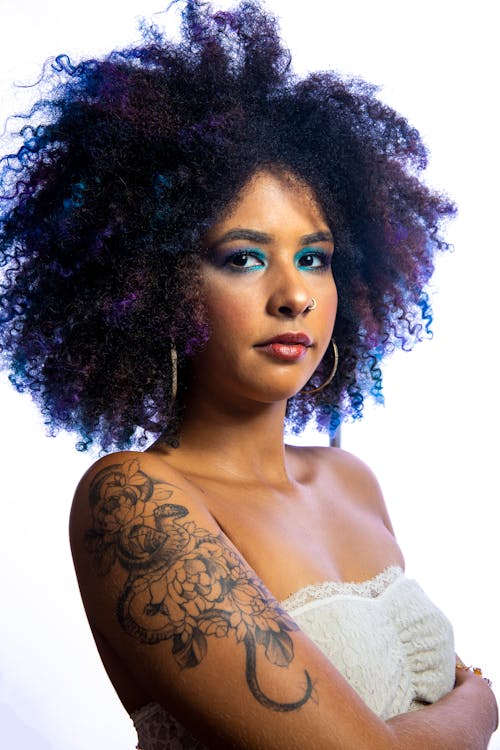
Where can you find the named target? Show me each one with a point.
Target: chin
(275, 395)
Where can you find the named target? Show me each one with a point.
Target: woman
(184, 235)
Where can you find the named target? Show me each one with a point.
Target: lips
(289, 338)
(287, 347)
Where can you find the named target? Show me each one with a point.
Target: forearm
(464, 719)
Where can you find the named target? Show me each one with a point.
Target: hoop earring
(173, 362)
(312, 306)
(331, 375)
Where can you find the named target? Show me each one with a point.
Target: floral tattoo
(184, 583)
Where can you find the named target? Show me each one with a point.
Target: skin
(183, 555)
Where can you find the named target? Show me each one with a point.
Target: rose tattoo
(184, 583)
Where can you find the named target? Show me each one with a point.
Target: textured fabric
(385, 636)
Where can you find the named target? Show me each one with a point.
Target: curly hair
(128, 160)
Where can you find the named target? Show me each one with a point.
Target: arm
(465, 718)
(450, 717)
(200, 632)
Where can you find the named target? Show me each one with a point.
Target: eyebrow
(309, 239)
(265, 239)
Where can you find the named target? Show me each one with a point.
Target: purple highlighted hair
(129, 160)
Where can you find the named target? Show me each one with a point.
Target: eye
(313, 260)
(245, 260)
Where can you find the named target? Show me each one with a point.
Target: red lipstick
(288, 347)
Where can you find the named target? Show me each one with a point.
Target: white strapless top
(385, 636)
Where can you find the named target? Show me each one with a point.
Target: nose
(290, 295)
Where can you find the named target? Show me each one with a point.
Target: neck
(243, 442)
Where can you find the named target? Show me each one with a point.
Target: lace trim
(157, 729)
(370, 589)
(144, 713)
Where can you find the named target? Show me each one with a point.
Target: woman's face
(267, 259)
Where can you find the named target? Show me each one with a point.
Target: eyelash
(228, 262)
(323, 257)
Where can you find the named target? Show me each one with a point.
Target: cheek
(331, 302)
(335, 305)
(229, 312)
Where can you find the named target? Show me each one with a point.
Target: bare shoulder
(119, 490)
(352, 476)
(129, 509)
(364, 484)
(190, 622)
(350, 466)
(343, 464)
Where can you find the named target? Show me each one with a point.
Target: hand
(466, 677)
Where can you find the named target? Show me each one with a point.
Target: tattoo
(184, 583)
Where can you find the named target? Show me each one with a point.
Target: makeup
(285, 352)
(287, 347)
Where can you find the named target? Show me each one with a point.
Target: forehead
(272, 202)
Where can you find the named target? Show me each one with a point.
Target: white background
(434, 446)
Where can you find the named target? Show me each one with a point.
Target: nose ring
(312, 306)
